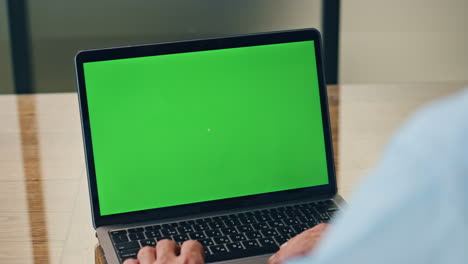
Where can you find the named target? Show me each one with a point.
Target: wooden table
(45, 211)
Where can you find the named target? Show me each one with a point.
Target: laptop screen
(200, 126)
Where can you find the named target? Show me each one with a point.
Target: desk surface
(45, 213)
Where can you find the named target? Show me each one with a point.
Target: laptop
(225, 141)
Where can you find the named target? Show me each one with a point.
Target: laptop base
(263, 226)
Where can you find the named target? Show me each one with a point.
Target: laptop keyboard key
(308, 219)
(281, 239)
(151, 234)
(286, 231)
(180, 238)
(185, 229)
(251, 244)
(264, 218)
(221, 240)
(229, 231)
(129, 253)
(325, 206)
(278, 216)
(232, 222)
(197, 236)
(300, 228)
(136, 236)
(169, 232)
(237, 237)
(324, 217)
(269, 233)
(207, 252)
(207, 242)
(269, 245)
(213, 233)
(136, 230)
(148, 242)
(260, 226)
(245, 228)
(218, 249)
(236, 252)
(276, 223)
(150, 228)
(302, 219)
(291, 221)
(247, 220)
(201, 227)
(121, 238)
(170, 225)
(217, 224)
(291, 213)
(118, 233)
(235, 247)
(127, 245)
(253, 235)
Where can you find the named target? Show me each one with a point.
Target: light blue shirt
(413, 207)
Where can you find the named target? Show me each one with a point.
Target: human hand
(299, 245)
(167, 252)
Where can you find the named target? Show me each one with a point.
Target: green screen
(191, 127)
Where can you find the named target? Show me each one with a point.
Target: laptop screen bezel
(82, 57)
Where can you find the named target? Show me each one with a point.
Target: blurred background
(388, 57)
(377, 41)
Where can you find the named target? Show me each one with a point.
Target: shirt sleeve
(412, 208)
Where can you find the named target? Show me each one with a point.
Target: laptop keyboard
(229, 236)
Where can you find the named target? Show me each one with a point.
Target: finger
(147, 255)
(299, 245)
(274, 258)
(299, 237)
(192, 252)
(318, 229)
(282, 253)
(131, 261)
(295, 247)
(191, 246)
(166, 251)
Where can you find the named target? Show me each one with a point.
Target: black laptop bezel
(328, 190)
